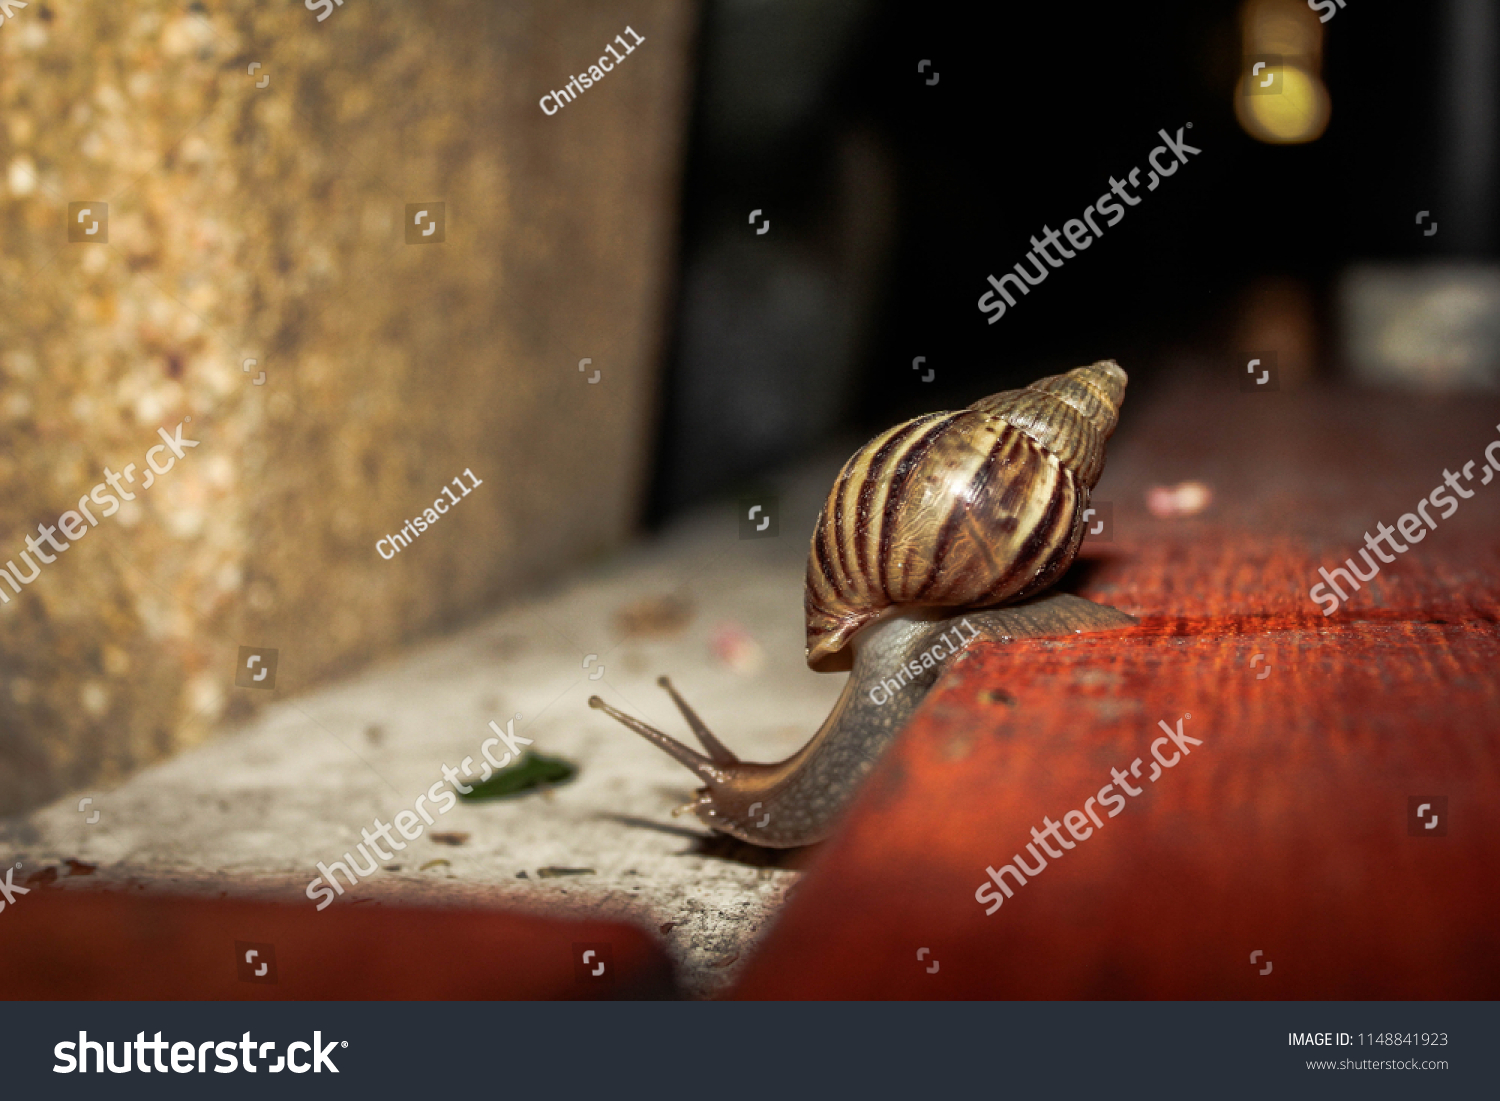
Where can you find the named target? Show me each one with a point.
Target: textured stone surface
(253, 813)
(266, 223)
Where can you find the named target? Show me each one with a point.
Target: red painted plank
(65, 945)
(1285, 832)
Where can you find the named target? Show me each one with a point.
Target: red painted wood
(1286, 831)
(62, 945)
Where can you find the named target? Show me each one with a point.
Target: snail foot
(1050, 615)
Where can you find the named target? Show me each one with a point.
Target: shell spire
(1071, 414)
(964, 509)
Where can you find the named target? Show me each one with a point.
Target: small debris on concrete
(735, 647)
(450, 838)
(435, 863)
(531, 773)
(503, 647)
(654, 617)
(551, 872)
(43, 878)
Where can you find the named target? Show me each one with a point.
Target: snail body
(938, 532)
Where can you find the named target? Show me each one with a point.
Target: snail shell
(962, 509)
(929, 527)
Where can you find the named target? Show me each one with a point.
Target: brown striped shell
(962, 509)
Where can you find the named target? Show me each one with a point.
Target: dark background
(890, 200)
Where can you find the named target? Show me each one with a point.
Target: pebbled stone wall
(250, 172)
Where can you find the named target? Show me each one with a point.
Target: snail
(937, 532)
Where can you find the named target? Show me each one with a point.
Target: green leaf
(531, 772)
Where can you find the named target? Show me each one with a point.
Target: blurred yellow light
(1299, 114)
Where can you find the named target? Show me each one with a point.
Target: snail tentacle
(717, 751)
(699, 802)
(683, 755)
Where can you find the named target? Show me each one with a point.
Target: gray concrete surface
(253, 811)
